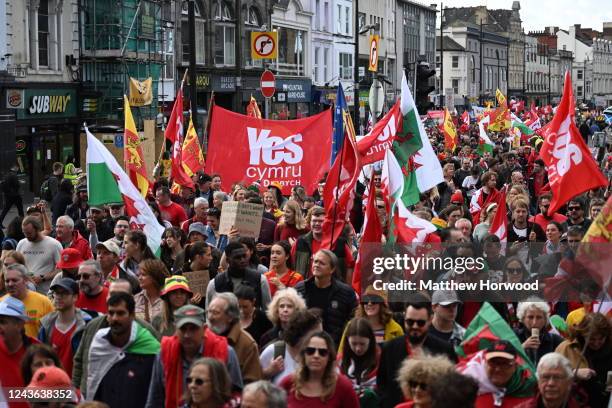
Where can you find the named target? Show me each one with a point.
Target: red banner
(292, 152)
(372, 146)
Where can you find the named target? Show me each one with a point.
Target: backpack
(45, 190)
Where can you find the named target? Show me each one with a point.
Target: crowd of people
(87, 306)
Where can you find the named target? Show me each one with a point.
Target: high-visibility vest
(70, 173)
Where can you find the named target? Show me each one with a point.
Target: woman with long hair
(375, 309)
(13, 235)
(172, 253)
(199, 257)
(285, 303)
(482, 230)
(359, 360)
(251, 248)
(208, 385)
(417, 374)
(37, 356)
(292, 224)
(271, 205)
(280, 275)
(136, 251)
(148, 301)
(175, 294)
(315, 382)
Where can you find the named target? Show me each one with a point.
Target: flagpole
(331, 245)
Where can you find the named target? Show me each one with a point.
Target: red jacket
(81, 244)
(487, 401)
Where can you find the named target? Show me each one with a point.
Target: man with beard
(192, 340)
(109, 256)
(224, 319)
(416, 341)
(238, 273)
(36, 304)
(41, 253)
(121, 357)
(93, 292)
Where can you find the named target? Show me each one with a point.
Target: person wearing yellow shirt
(36, 304)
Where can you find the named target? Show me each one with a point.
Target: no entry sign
(267, 84)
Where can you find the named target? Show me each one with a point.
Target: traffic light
(423, 88)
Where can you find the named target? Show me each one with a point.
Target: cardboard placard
(245, 217)
(198, 281)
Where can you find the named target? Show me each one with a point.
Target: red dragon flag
(174, 134)
(132, 152)
(571, 168)
(191, 153)
(450, 133)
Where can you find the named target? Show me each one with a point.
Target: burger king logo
(14, 98)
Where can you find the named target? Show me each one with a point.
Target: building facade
(602, 72)
(538, 72)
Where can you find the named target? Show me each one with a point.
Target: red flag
(340, 185)
(450, 133)
(174, 133)
(571, 168)
(499, 224)
(372, 233)
(466, 118)
(372, 146)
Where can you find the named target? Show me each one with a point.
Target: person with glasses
(63, 328)
(575, 212)
(208, 385)
(316, 382)
(415, 377)
(93, 293)
(120, 228)
(415, 341)
(542, 218)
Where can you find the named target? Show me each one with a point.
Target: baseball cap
(457, 197)
(110, 246)
(197, 227)
(189, 314)
(13, 307)
(70, 258)
(175, 282)
(501, 349)
(68, 284)
(82, 188)
(444, 297)
(50, 377)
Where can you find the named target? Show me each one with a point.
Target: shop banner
(372, 146)
(250, 150)
(141, 92)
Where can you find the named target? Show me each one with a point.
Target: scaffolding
(120, 39)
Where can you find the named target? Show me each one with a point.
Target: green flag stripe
(102, 185)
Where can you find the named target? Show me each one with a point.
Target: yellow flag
(141, 93)
(501, 99)
(132, 152)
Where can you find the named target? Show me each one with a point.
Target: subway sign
(49, 103)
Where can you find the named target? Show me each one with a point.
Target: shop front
(46, 129)
(292, 100)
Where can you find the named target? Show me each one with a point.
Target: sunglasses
(374, 299)
(310, 351)
(515, 271)
(411, 322)
(197, 381)
(574, 208)
(414, 384)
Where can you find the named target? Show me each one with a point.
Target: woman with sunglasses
(514, 272)
(316, 382)
(416, 375)
(172, 249)
(375, 309)
(208, 385)
(359, 360)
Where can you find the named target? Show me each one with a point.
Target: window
(326, 17)
(225, 34)
(339, 19)
(455, 61)
(455, 86)
(317, 15)
(43, 33)
(326, 65)
(579, 91)
(362, 20)
(579, 74)
(347, 21)
(346, 66)
(253, 22)
(315, 68)
(290, 51)
(168, 50)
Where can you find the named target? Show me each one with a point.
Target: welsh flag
(405, 227)
(412, 149)
(132, 152)
(487, 327)
(499, 224)
(520, 125)
(108, 183)
(484, 144)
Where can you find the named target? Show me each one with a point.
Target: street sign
(267, 84)
(374, 41)
(264, 45)
(376, 98)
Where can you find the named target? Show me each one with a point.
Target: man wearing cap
(70, 260)
(500, 383)
(116, 210)
(93, 293)
(197, 232)
(170, 211)
(200, 208)
(13, 342)
(79, 210)
(63, 328)
(51, 377)
(109, 256)
(81, 357)
(69, 238)
(36, 304)
(192, 340)
(120, 357)
(41, 253)
(443, 325)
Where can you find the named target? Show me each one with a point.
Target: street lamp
(442, 22)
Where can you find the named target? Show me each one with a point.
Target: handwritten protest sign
(245, 217)
(198, 281)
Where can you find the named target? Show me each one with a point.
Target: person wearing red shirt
(542, 219)
(69, 238)
(280, 275)
(170, 211)
(292, 225)
(13, 344)
(93, 293)
(200, 208)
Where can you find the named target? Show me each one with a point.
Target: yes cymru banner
(245, 149)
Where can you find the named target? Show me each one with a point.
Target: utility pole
(441, 90)
(356, 68)
(481, 58)
(238, 52)
(193, 87)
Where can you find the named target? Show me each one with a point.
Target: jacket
(303, 255)
(247, 352)
(81, 357)
(48, 322)
(10, 184)
(393, 354)
(81, 244)
(548, 343)
(342, 303)
(223, 283)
